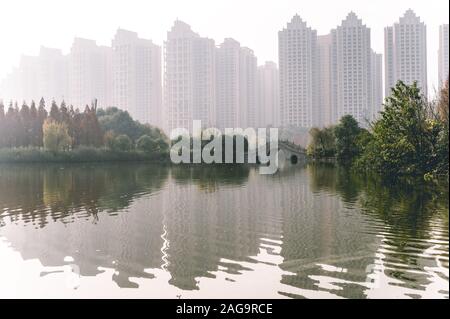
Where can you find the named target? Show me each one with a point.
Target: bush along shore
(82, 154)
(30, 134)
(409, 138)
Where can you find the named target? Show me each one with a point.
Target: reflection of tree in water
(207, 221)
(210, 218)
(334, 178)
(201, 230)
(317, 229)
(209, 177)
(360, 208)
(65, 192)
(47, 195)
(415, 218)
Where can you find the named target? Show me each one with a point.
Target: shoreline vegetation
(30, 134)
(409, 139)
(79, 155)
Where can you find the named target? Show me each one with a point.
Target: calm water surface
(226, 232)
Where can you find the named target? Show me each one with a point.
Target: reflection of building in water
(319, 231)
(328, 231)
(63, 203)
(204, 226)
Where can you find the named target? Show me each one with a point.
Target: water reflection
(316, 231)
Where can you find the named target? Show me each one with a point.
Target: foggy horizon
(258, 33)
(235, 151)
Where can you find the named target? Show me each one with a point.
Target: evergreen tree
(64, 116)
(25, 126)
(54, 112)
(346, 133)
(34, 125)
(405, 138)
(2, 124)
(41, 117)
(12, 125)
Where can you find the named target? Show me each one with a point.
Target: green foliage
(122, 143)
(108, 139)
(408, 139)
(56, 136)
(443, 116)
(67, 129)
(24, 127)
(121, 123)
(404, 138)
(323, 143)
(346, 133)
(79, 155)
(147, 145)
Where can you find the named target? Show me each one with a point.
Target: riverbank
(79, 155)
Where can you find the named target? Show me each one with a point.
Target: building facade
(189, 78)
(443, 54)
(406, 52)
(297, 52)
(324, 112)
(90, 74)
(377, 84)
(236, 84)
(351, 70)
(136, 74)
(268, 95)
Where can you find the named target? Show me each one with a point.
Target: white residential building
(227, 83)
(324, 112)
(26, 86)
(136, 74)
(443, 54)
(90, 74)
(377, 84)
(248, 69)
(351, 70)
(189, 78)
(39, 76)
(236, 85)
(268, 95)
(52, 75)
(297, 51)
(406, 52)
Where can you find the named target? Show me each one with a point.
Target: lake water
(143, 231)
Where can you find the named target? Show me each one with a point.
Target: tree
(64, 115)
(146, 144)
(56, 136)
(41, 117)
(442, 147)
(54, 112)
(2, 125)
(34, 125)
(12, 126)
(404, 139)
(120, 122)
(323, 143)
(108, 139)
(443, 105)
(93, 129)
(346, 133)
(24, 126)
(122, 143)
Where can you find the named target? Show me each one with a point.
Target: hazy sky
(26, 25)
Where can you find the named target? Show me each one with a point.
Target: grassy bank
(79, 155)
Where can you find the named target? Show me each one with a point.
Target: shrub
(122, 143)
(56, 136)
(146, 144)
